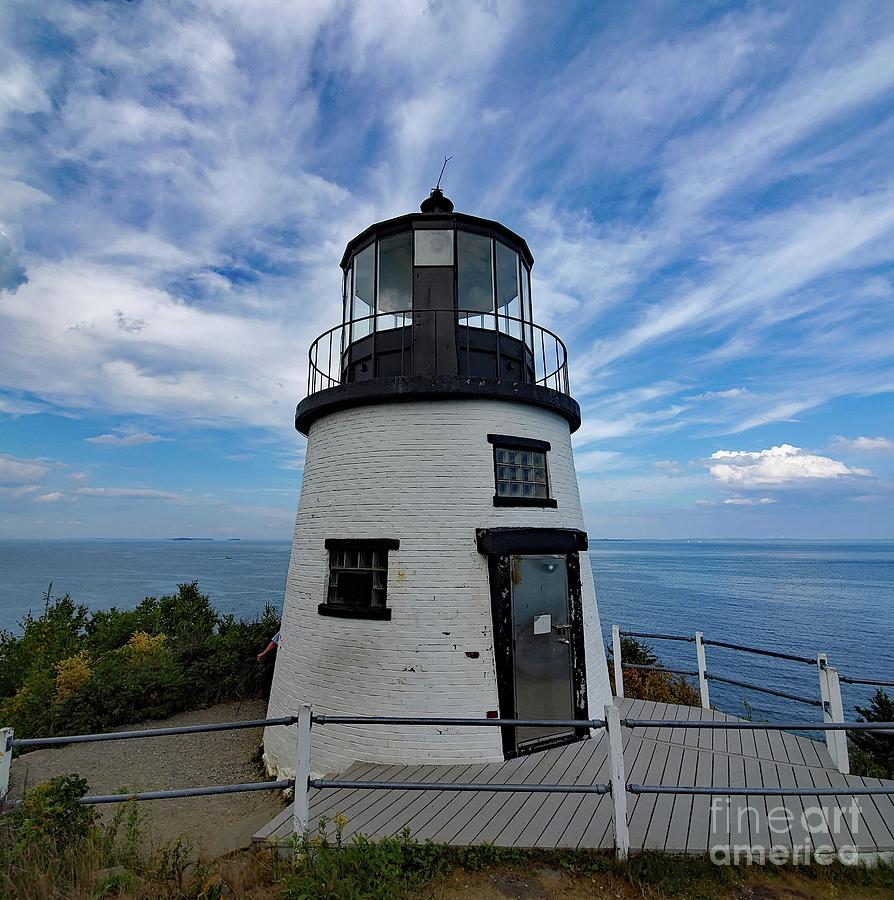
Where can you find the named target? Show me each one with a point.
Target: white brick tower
(439, 563)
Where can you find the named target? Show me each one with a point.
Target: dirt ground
(553, 884)
(214, 825)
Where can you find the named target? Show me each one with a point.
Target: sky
(707, 189)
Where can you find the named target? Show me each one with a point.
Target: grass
(53, 848)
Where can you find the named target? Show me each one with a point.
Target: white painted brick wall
(421, 472)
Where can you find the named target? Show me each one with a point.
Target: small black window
(358, 578)
(520, 471)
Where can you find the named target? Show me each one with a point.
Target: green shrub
(51, 813)
(640, 684)
(872, 753)
(73, 671)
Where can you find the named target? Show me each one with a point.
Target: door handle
(564, 641)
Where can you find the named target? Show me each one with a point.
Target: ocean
(799, 597)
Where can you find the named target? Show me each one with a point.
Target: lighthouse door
(541, 632)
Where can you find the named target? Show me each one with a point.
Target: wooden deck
(672, 823)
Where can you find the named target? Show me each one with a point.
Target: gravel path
(214, 825)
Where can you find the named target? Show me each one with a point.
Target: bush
(73, 671)
(641, 684)
(51, 813)
(872, 753)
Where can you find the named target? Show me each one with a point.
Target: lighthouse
(439, 564)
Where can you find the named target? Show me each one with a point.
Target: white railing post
(825, 698)
(616, 660)
(702, 670)
(839, 738)
(302, 770)
(5, 761)
(618, 781)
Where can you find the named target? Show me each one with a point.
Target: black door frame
(500, 545)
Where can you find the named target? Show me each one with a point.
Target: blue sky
(707, 188)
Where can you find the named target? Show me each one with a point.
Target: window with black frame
(358, 578)
(521, 474)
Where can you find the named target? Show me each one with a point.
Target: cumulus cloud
(864, 444)
(134, 439)
(51, 497)
(780, 465)
(126, 493)
(15, 470)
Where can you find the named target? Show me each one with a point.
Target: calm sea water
(797, 597)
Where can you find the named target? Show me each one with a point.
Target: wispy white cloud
(863, 444)
(132, 439)
(748, 501)
(16, 470)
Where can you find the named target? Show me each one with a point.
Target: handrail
(659, 637)
(329, 372)
(761, 652)
(764, 690)
(62, 739)
(617, 787)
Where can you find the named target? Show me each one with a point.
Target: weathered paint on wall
(421, 472)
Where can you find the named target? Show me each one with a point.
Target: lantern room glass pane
(363, 302)
(508, 300)
(475, 279)
(434, 247)
(395, 292)
(526, 305)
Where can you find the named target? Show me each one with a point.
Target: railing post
(302, 770)
(616, 660)
(5, 761)
(836, 709)
(618, 781)
(702, 670)
(822, 660)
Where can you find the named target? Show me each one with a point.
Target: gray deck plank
(719, 804)
(770, 778)
(481, 807)
(504, 828)
(739, 829)
(564, 771)
(362, 800)
(756, 807)
(837, 824)
(435, 828)
(656, 834)
(641, 817)
(788, 778)
(399, 806)
(584, 813)
(595, 770)
(678, 829)
(699, 817)
(534, 829)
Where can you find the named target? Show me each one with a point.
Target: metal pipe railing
(327, 719)
(618, 787)
(497, 788)
(761, 652)
(658, 637)
(209, 791)
(812, 701)
(61, 740)
(548, 372)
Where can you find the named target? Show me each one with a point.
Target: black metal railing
(493, 345)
